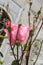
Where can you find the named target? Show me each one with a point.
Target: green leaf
(1, 62)
(24, 45)
(1, 36)
(39, 12)
(15, 62)
(2, 23)
(1, 54)
(27, 48)
(30, 3)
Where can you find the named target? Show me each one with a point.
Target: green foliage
(39, 11)
(1, 36)
(37, 44)
(1, 62)
(2, 23)
(1, 54)
(25, 47)
(9, 29)
(30, 3)
(15, 62)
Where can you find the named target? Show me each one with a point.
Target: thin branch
(17, 52)
(30, 36)
(38, 23)
(29, 48)
(23, 51)
(37, 33)
(13, 52)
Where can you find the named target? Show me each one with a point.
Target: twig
(17, 52)
(38, 23)
(13, 52)
(30, 36)
(37, 34)
(23, 51)
(29, 48)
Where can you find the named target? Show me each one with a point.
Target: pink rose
(14, 29)
(24, 33)
(8, 23)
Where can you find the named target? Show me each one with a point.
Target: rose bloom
(13, 33)
(8, 23)
(23, 33)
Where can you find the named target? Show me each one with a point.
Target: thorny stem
(27, 40)
(14, 44)
(11, 45)
(29, 48)
(17, 52)
(29, 16)
(23, 51)
(13, 52)
(29, 45)
(17, 43)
